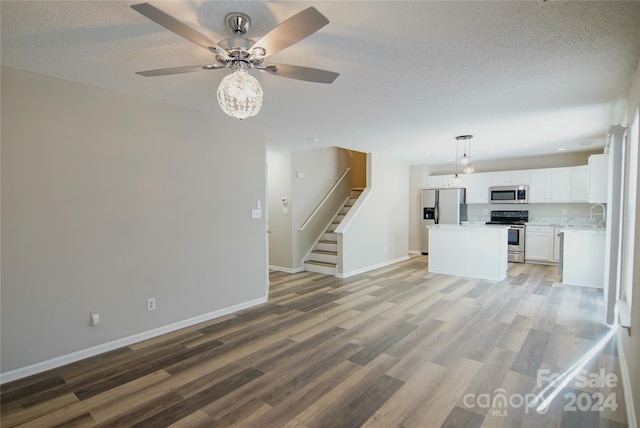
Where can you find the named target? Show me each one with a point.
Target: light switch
(256, 213)
(299, 174)
(94, 318)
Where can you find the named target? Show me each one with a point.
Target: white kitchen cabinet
(477, 186)
(550, 185)
(443, 181)
(580, 183)
(560, 185)
(598, 178)
(583, 257)
(538, 244)
(556, 243)
(538, 185)
(510, 178)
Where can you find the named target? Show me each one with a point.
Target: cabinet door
(580, 184)
(509, 178)
(499, 178)
(538, 244)
(560, 185)
(551, 185)
(556, 244)
(598, 178)
(519, 177)
(538, 185)
(439, 181)
(477, 186)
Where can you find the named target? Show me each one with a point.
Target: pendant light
(465, 160)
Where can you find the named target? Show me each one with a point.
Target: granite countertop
(584, 228)
(566, 222)
(469, 226)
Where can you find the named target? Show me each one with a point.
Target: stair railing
(326, 197)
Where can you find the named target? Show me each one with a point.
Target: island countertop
(481, 226)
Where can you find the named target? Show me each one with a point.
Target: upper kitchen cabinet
(477, 186)
(550, 185)
(509, 178)
(598, 178)
(442, 181)
(580, 183)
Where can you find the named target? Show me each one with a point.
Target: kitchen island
(583, 256)
(470, 250)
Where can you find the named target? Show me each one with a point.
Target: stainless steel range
(517, 220)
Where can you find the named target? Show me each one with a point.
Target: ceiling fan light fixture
(240, 94)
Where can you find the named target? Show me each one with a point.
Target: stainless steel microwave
(508, 194)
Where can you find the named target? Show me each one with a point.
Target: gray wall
(108, 200)
(531, 162)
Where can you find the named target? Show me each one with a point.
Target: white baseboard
(119, 343)
(372, 267)
(287, 270)
(632, 420)
(417, 252)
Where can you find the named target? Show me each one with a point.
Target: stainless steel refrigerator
(441, 206)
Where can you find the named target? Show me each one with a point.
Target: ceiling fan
(240, 94)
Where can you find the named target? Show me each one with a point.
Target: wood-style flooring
(394, 347)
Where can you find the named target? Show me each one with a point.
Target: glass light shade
(464, 160)
(240, 94)
(469, 169)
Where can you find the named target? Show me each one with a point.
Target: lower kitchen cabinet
(539, 244)
(556, 243)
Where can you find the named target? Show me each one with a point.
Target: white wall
(418, 178)
(108, 200)
(631, 342)
(322, 168)
(279, 182)
(378, 233)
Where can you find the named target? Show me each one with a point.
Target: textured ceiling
(524, 77)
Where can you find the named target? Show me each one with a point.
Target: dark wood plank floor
(395, 347)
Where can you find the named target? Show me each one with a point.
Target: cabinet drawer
(542, 229)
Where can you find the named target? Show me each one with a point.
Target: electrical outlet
(485, 212)
(151, 304)
(564, 211)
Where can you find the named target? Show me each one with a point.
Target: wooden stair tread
(328, 253)
(326, 241)
(326, 264)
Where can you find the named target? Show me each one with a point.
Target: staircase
(324, 256)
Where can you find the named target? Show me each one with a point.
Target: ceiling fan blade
(292, 30)
(181, 29)
(177, 70)
(301, 73)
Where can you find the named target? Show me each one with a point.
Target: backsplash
(560, 214)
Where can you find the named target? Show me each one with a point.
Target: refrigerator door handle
(437, 208)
